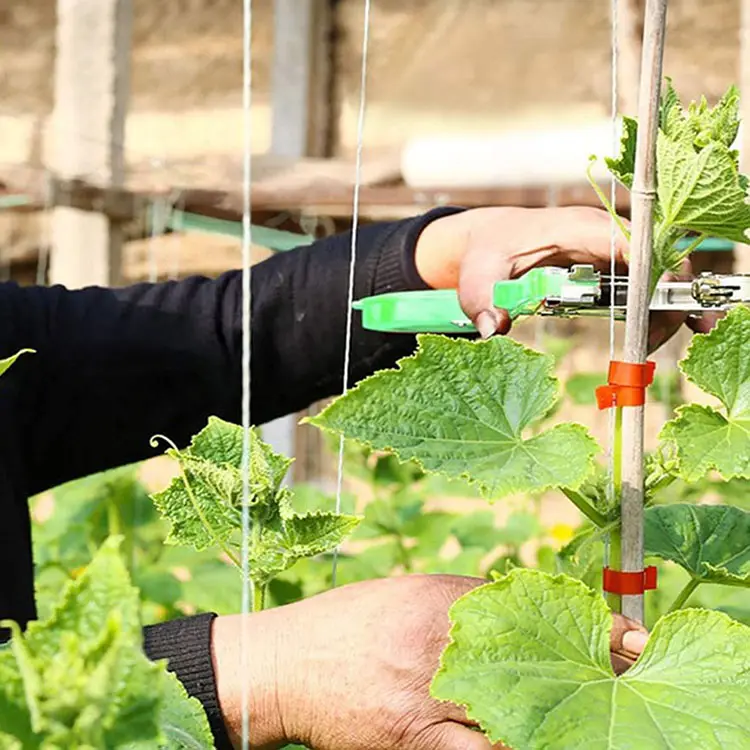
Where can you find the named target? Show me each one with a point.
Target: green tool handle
(439, 311)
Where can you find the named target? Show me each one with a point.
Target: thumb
(452, 736)
(477, 276)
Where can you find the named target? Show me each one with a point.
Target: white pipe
(532, 157)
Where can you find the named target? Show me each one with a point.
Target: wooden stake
(301, 118)
(639, 296)
(92, 88)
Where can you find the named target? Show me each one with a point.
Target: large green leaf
(80, 678)
(705, 438)
(711, 542)
(462, 409)
(701, 191)
(529, 659)
(204, 503)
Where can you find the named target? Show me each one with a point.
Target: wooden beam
(91, 97)
(329, 199)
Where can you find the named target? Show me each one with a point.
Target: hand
(469, 250)
(351, 669)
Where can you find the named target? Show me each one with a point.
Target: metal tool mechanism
(577, 291)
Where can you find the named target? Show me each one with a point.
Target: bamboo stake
(639, 278)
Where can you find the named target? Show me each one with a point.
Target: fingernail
(486, 323)
(634, 641)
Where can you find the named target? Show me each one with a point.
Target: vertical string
(353, 256)
(246, 340)
(612, 245)
(42, 262)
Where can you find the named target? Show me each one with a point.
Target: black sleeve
(116, 366)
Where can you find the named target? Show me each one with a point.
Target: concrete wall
(435, 65)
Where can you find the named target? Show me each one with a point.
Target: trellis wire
(246, 342)
(352, 258)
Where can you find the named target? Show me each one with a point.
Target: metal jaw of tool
(563, 292)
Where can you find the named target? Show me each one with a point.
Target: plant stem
(114, 521)
(615, 562)
(258, 596)
(605, 202)
(617, 457)
(691, 247)
(404, 553)
(615, 537)
(585, 507)
(685, 594)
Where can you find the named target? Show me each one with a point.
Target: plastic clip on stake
(629, 584)
(626, 386)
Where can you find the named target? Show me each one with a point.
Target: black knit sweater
(125, 364)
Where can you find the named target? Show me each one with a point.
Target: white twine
(353, 256)
(246, 340)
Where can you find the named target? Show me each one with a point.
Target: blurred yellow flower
(562, 532)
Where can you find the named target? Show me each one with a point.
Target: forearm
(116, 366)
(300, 315)
(205, 654)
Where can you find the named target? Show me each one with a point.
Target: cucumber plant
(529, 653)
(79, 678)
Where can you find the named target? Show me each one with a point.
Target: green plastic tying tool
(579, 290)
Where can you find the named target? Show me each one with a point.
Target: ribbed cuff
(397, 269)
(186, 645)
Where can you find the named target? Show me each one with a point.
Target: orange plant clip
(627, 583)
(626, 384)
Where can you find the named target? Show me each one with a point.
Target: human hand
(467, 250)
(351, 669)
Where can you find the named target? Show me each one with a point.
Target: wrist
(439, 250)
(251, 682)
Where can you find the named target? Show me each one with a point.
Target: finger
(450, 736)
(662, 326)
(620, 662)
(703, 323)
(627, 636)
(476, 280)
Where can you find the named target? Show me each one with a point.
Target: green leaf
(529, 659)
(477, 530)
(114, 696)
(461, 409)
(701, 191)
(711, 542)
(623, 167)
(204, 504)
(6, 364)
(705, 438)
(182, 719)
